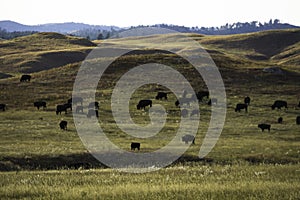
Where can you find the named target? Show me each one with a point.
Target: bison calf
(241, 106)
(63, 125)
(135, 145)
(188, 138)
(264, 126)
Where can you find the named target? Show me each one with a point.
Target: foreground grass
(193, 181)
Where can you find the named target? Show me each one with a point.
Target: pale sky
(126, 13)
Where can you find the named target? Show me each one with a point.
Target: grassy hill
(246, 159)
(41, 51)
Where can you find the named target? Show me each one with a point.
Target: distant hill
(68, 27)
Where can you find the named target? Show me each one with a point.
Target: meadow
(40, 161)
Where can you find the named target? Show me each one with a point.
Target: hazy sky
(136, 12)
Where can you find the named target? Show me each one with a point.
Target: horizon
(192, 13)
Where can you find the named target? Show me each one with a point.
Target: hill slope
(41, 51)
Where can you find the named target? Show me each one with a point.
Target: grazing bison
(79, 109)
(94, 105)
(247, 100)
(75, 100)
(279, 104)
(25, 77)
(184, 113)
(63, 125)
(92, 112)
(241, 106)
(39, 104)
(298, 120)
(212, 101)
(61, 108)
(188, 138)
(264, 126)
(280, 119)
(194, 112)
(2, 107)
(135, 145)
(143, 103)
(161, 95)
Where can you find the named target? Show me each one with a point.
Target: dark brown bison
(39, 104)
(299, 104)
(161, 95)
(247, 100)
(2, 107)
(75, 100)
(63, 125)
(188, 138)
(241, 106)
(298, 120)
(61, 108)
(135, 145)
(279, 104)
(79, 109)
(143, 104)
(92, 112)
(94, 105)
(264, 126)
(25, 77)
(280, 120)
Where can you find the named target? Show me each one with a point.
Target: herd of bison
(201, 96)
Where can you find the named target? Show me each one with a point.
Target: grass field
(40, 161)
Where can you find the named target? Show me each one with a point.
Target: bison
(247, 100)
(25, 77)
(264, 126)
(61, 108)
(63, 125)
(188, 138)
(299, 104)
(39, 104)
(92, 112)
(279, 104)
(79, 109)
(241, 106)
(135, 145)
(2, 107)
(143, 103)
(161, 95)
(298, 120)
(280, 119)
(94, 105)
